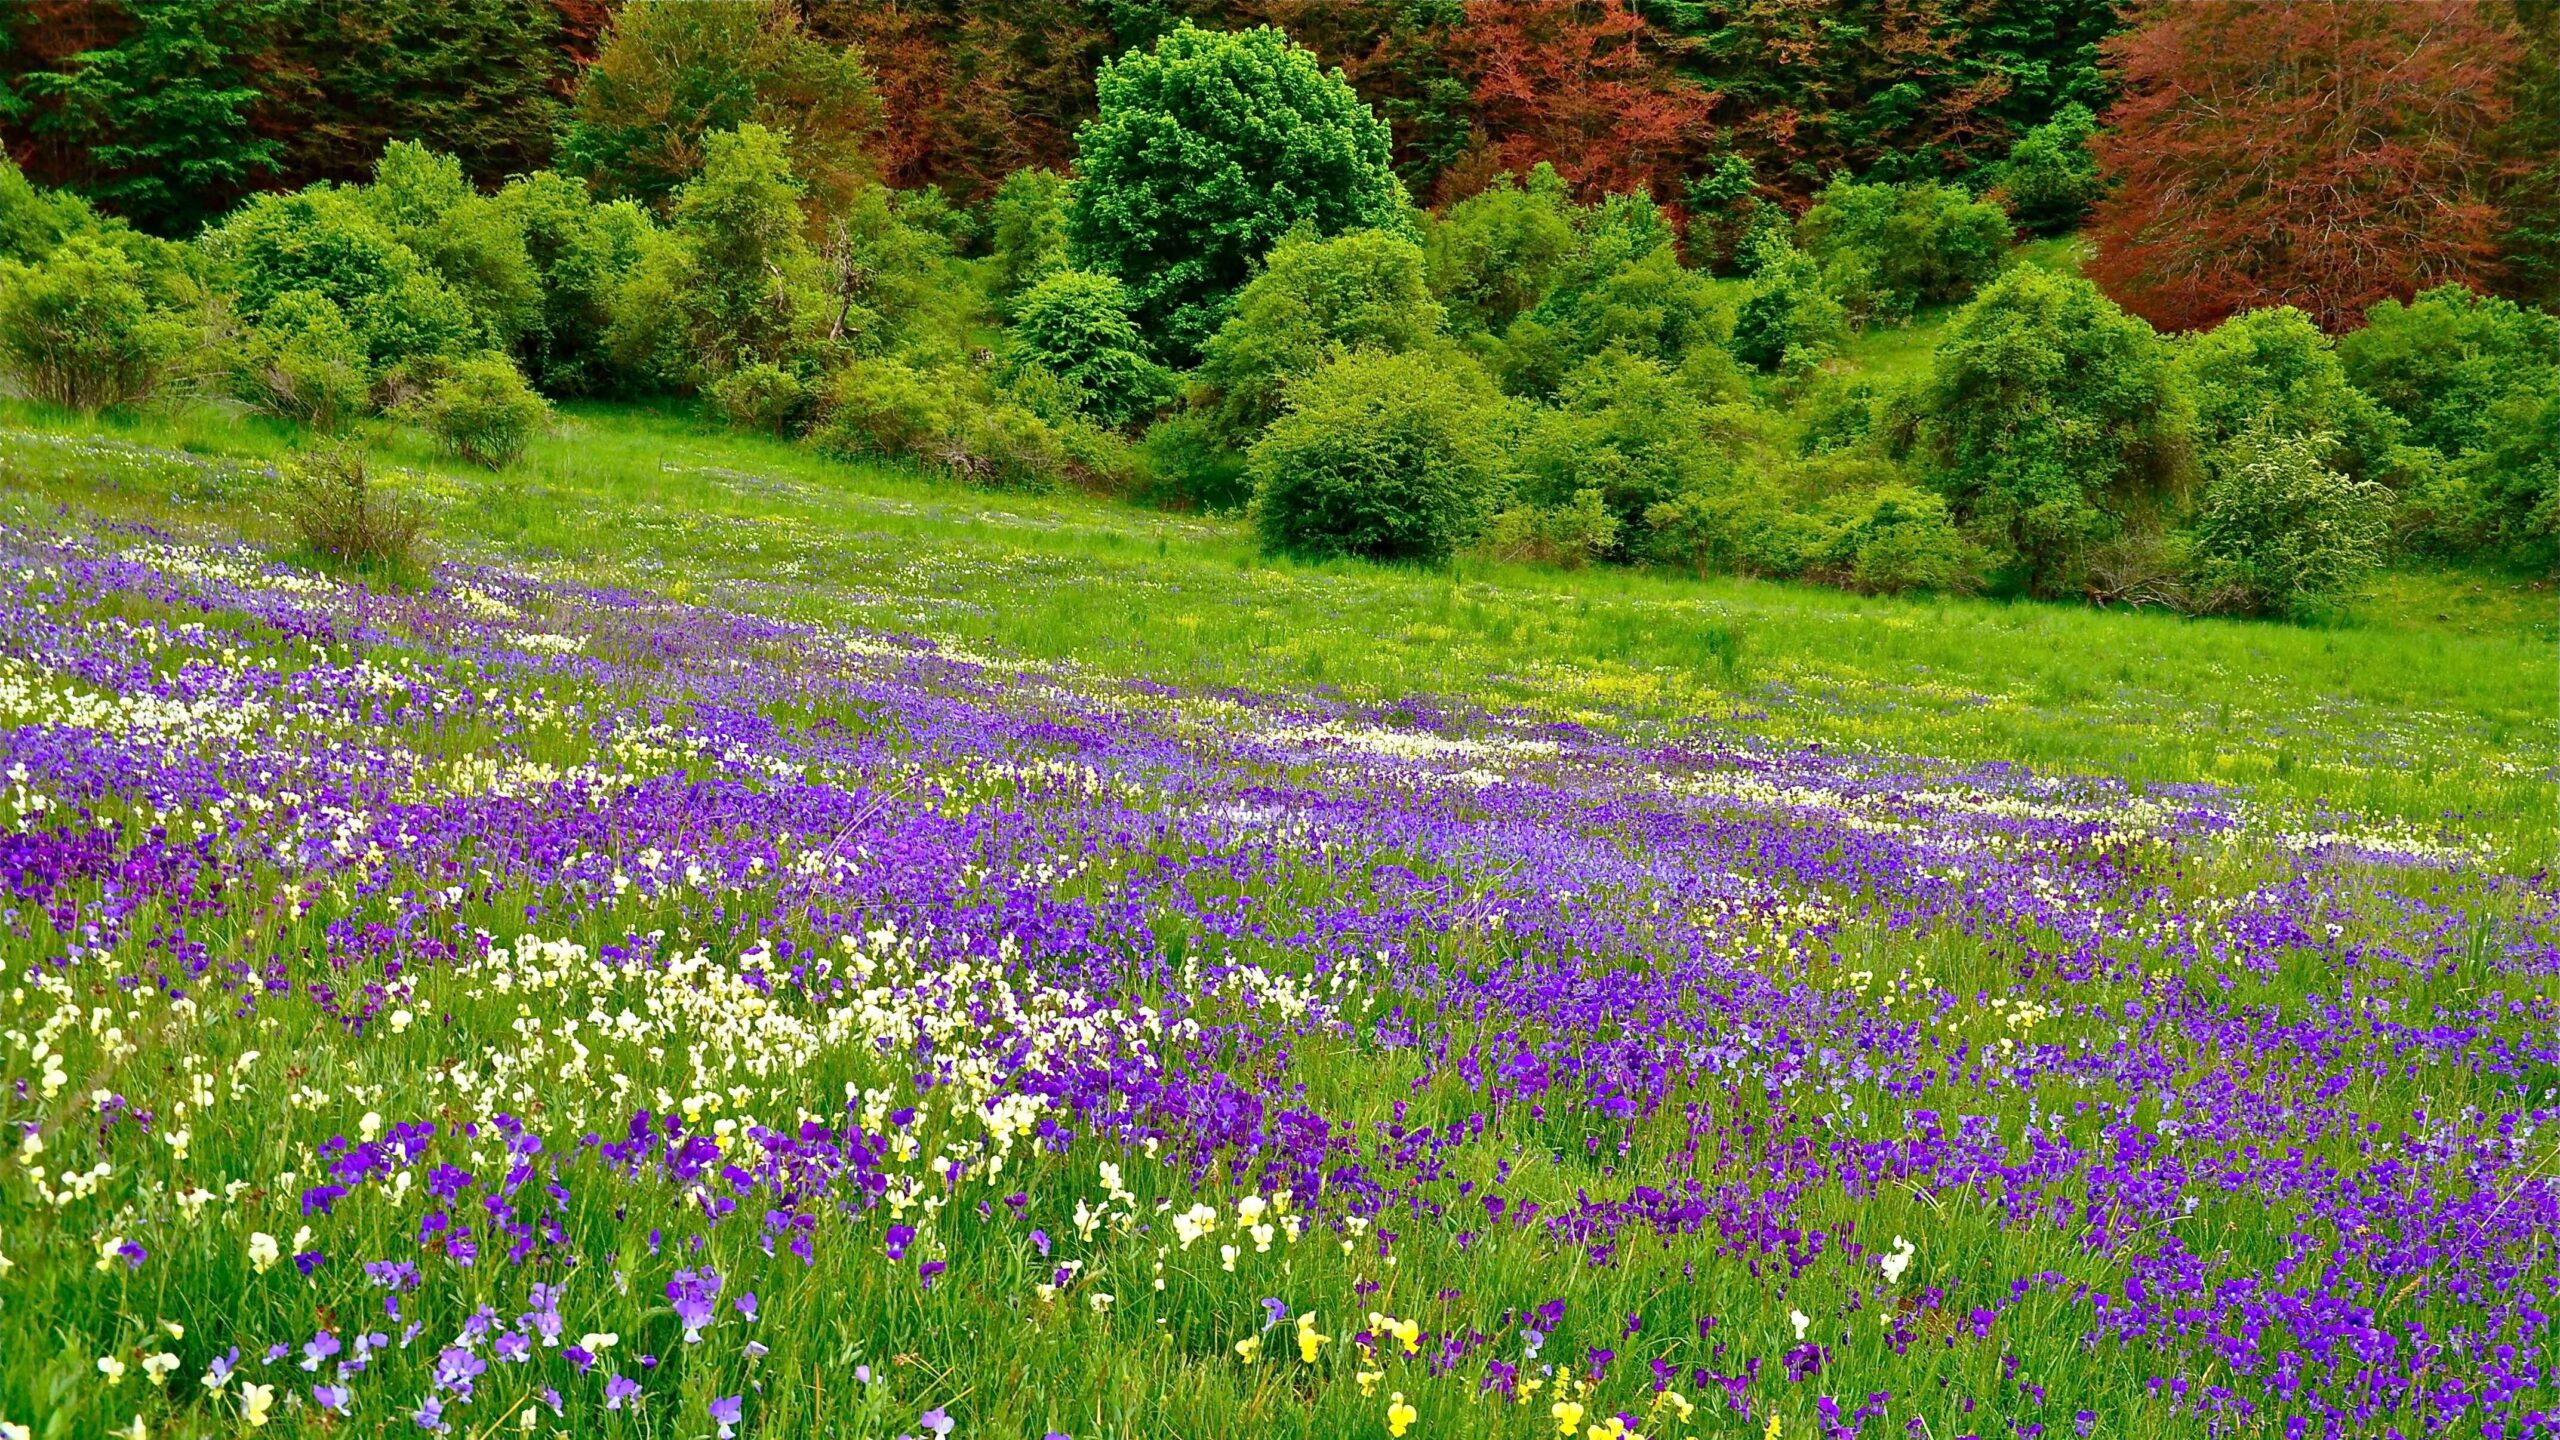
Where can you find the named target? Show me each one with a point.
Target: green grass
(2434, 694)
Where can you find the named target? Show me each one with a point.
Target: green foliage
(417, 321)
(479, 79)
(481, 410)
(2050, 420)
(2448, 359)
(739, 283)
(1385, 456)
(2051, 176)
(78, 330)
(1498, 252)
(320, 239)
(1926, 243)
(762, 396)
(1649, 305)
(1360, 290)
(2516, 477)
(1188, 467)
(1206, 150)
(1075, 325)
(1027, 221)
(159, 121)
(473, 244)
(34, 220)
(2280, 533)
(1789, 321)
(2276, 366)
(948, 420)
(674, 73)
(1725, 208)
(581, 253)
(303, 362)
(885, 269)
(1624, 427)
(1893, 540)
(1571, 534)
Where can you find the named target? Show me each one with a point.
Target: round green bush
(1361, 290)
(482, 411)
(761, 396)
(303, 362)
(1075, 324)
(2280, 533)
(76, 330)
(1389, 457)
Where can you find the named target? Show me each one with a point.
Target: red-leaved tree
(1583, 84)
(2310, 152)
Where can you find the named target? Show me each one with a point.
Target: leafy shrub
(1027, 221)
(1361, 290)
(945, 419)
(417, 318)
(2051, 176)
(1724, 210)
(1839, 414)
(2447, 360)
(1789, 321)
(2050, 418)
(1391, 457)
(1650, 305)
(77, 329)
(1928, 243)
(1572, 534)
(762, 396)
(1894, 540)
(34, 220)
(581, 253)
(1741, 523)
(474, 245)
(2274, 366)
(303, 362)
(1188, 466)
(319, 239)
(2280, 533)
(1075, 325)
(1625, 428)
(482, 411)
(1202, 153)
(334, 504)
(1498, 252)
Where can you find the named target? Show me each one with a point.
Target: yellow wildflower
(1309, 1342)
(1249, 1349)
(1399, 1414)
(1568, 1414)
(1369, 1381)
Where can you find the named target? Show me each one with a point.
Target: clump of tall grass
(342, 513)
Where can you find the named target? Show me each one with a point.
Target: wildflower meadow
(495, 1003)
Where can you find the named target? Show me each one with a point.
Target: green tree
(1202, 154)
(302, 362)
(1789, 321)
(1361, 290)
(481, 80)
(581, 251)
(156, 126)
(474, 245)
(2051, 176)
(1627, 428)
(1498, 252)
(2051, 421)
(1075, 325)
(2275, 367)
(1389, 457)
(1927, 243)
(674, 73)
(2445, 361)
(1028, 221)
(739, 283)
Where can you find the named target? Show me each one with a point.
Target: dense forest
(2215, 306)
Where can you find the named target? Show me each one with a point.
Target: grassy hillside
(2434, 697)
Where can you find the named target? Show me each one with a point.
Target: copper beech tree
(2318, 154)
